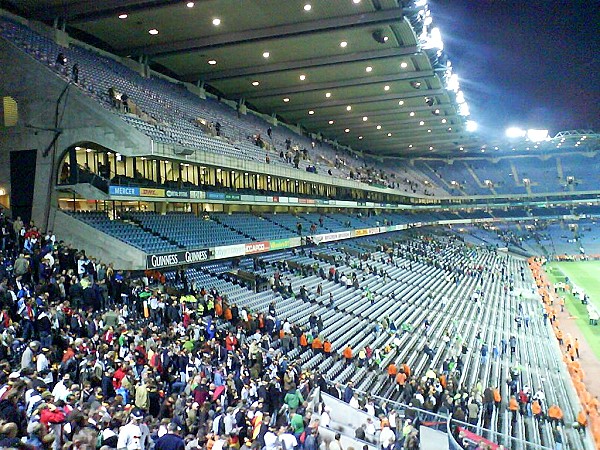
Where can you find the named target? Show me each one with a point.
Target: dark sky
(529, 63)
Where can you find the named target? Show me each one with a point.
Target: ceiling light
(331, 122)
(307, 7)
(311, 112)
(411, 114)
(409, 145)
(401, 102)
(212, 62)
(471, 126)
(285, 100)
(348, 108)
(430, 147)
(327, 94)
(216, 22)
(356, 2)
(368, 69)
(386, 88)
(403, 65)
(343, 44)
(302, 77)
(379, 127)
(153, 31)
(461, 148)
(347, 130)
(422, 122)
(360, 137)
(266, 54)
(365, 118)
(444, 121)
(389, 134)
(449, 128)
(190, 4)
(123, 16)
(429, 131)
(255, 83)
(436, 112)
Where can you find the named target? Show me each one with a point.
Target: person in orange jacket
(497, 397)
(400, 381)
(327, 347)
(513, 407)
(392, 371)
(347, 354)
(317, 345)
(303, 341)
(536, 410)
(582, 421)
(555, 414)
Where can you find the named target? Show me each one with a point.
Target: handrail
(447, 419)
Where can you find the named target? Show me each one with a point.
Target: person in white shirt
(287, 439)
(130, 435)
(326, 417)
(387, 438)
(335, 444)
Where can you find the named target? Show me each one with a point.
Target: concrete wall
(36, 90)
(97, 244)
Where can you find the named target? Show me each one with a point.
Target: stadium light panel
(515, 132)
(537, 135)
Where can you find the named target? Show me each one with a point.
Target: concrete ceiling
(377, 80)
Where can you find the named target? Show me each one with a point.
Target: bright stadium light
(537, 135)
(515, 132)
(471, 126)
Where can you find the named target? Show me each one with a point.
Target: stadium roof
(353, 70)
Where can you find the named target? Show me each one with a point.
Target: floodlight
(471, 126)
(515, 132)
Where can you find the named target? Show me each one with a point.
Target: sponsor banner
(392, 228)
(295, 241)
(198, 195)
(257, 247)
(177, 194)
(332, 236)
(124, 191)
(373, 230)
(230, 251)
(370, 204)
(401, 227)
(275, 199)
(345, 203)
(283, 199)
(311, 201)
(176, 258)
(247, 198)
(292, 200)
(215, 196)
(303, 201)
(451, 221)
(233, 197)
(363, 232)
(152, 192)
(361, 203)
(278, 244)
(260, 198)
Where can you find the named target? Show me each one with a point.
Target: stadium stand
(266, 308)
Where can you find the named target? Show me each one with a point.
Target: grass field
(585, 274)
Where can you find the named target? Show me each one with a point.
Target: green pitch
(585, 274)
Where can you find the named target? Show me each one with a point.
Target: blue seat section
(187, 230)
(126, 232)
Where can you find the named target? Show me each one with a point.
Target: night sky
(533, 64)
